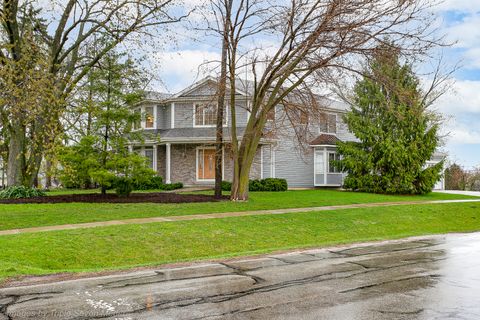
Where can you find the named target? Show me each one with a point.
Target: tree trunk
(16, 156)
(221, 104)
(243, 164)
(48, 174)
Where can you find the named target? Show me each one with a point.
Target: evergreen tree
(103, 127)
(397, 133)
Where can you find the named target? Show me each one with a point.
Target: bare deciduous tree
(66, 44)
(313, 40)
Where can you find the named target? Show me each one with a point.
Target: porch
(193, 164)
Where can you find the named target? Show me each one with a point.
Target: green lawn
(32, 215)
(128, 246)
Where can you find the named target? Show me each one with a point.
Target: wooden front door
(206, 164)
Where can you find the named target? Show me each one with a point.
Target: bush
(153, 183)
(226, 186)
(268, 184)
(274, 184)
(171, 186)
(123, 186)
(17, 192)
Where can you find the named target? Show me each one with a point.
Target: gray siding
(241, 114)
(183, 114)
(293, 163)
(267, 163)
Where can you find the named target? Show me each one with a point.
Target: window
(333, 167)
(149, 118)
(149, 156)
(319, 162)
(328, 123)
(205, 115)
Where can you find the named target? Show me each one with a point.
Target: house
(179, 135)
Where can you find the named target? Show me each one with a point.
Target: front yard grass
(14, 216)
(121, 247)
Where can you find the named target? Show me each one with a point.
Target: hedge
(268, 184)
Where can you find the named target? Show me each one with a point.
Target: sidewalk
(222, 215)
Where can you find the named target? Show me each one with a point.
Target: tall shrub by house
(397, 133)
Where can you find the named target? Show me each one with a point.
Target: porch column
(167, 167)
(155, 158)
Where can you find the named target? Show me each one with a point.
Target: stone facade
(183, 164)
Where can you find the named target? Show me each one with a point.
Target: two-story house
(179, 136)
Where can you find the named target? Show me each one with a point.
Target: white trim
(155, 116)
(272, 162)
(261, 161)
(325, 154)
(197, 149)
(325, 159)
(168, 157)
(172, 115)
(155, 158)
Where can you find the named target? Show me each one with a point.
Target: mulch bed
(154, 197)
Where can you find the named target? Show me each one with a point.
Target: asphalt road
(423, 278)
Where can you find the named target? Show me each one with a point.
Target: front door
(206, 164)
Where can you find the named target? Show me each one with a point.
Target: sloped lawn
(122, 247)
(14, 216)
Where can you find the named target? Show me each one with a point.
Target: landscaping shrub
(123, 186)
(17, 192)
(156, 183)
(153, 183)
(171, 186)
(268, 184)
(226, 186)
(274, 184)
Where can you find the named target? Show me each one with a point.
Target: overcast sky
(460, 20)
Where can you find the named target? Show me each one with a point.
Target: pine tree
(397, 132)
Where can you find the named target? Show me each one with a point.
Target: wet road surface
(422, 278)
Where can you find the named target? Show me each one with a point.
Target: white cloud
(459, 5)
(466, 31)
(463, 136)
(180, 68)
(464, 97)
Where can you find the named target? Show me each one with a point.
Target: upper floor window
(206, 114)
(328, 123)
(144, 118)
(149, 118)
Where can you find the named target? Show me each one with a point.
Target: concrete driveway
(465, 193)
(423, 278)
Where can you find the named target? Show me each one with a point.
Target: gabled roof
(156, 96)
(243, 87)
(325, 140)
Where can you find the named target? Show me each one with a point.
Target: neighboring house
(179, 136)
